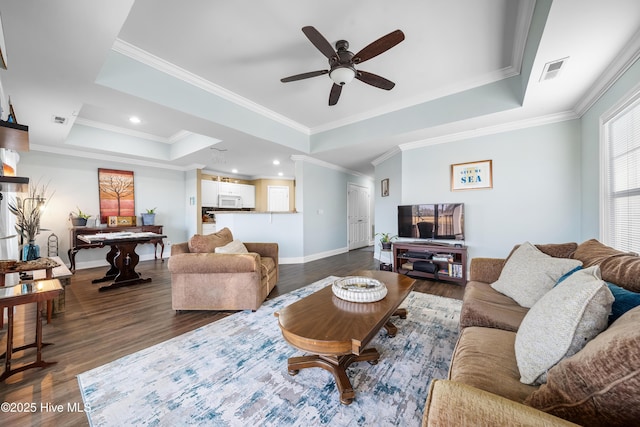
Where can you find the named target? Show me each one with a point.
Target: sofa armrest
(485, 270)
(180, 248)
(213, 263)
(264, 249)
(451, 403)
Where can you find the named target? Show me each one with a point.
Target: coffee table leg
(337, 366)
(391, 329)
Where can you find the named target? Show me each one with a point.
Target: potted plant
(79, 219)
(149, 217)
(386, 239)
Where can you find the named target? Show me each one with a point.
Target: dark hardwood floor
(99, 327)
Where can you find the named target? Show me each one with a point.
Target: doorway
(358, 212)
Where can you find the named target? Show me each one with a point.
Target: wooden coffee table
(336, 332)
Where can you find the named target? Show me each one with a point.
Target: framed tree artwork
(116, 194)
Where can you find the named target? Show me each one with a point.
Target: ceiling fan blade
(304, 76)
(319, 41)
(374, 80)
(334, 95)
(379, 46)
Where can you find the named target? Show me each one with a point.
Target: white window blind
(621, 222)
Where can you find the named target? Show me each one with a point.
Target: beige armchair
(202, 279)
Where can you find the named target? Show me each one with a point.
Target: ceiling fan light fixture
(342, 75)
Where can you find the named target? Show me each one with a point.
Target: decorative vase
(30, 251)
(148, 218)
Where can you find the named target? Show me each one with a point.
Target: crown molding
(492, 130)
(621, 63)
(488, 78)
(111, 158)
(488, 130)
(386, 156)
(144, 57)
(307, 159)
(121, 130)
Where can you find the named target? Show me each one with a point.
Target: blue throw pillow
(567, 274)
(624, 301)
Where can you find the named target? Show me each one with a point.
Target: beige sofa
(202, 279)
(599, 385)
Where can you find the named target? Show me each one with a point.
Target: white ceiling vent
(59, 120)
(552, 69)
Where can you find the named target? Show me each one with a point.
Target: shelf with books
(431, 261)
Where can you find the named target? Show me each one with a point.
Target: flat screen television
(444, 221)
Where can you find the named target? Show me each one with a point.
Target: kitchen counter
(281, 227)
(253, 212)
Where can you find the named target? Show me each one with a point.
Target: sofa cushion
(621, 268)
(561, 323)
(485, 358)
(599, 384)
(233, 247)
(484, 306)
(207, 244)
(556, 250)
(528, 274)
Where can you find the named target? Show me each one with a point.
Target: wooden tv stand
(450, 260)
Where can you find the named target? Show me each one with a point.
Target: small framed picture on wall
(384, 187)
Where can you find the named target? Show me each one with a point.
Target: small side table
(386, 259)
(25, 293)
(23, 266)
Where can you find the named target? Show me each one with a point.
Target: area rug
(233, 372)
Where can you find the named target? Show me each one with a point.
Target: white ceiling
(206, 73)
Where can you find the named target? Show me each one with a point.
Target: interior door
(277, 198)
(358, 206)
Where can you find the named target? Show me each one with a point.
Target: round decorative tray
(359, 289)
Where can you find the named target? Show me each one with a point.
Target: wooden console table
(122, 257)
(76, 244)
(25, 293)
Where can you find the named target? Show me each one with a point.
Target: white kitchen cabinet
(248, 194)
(209, 193)
(245, 191)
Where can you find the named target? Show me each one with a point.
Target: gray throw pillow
(528, 274)
(561, 323)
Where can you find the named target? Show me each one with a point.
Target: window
(621, 177)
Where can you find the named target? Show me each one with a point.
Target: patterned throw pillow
(528, 274)
(561, 323)
(207, 244)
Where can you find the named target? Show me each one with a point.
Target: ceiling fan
(342, 62)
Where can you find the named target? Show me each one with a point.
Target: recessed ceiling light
(234, 170)
(134, 119)
(276, 162)
(280, 174)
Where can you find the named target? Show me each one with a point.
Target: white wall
(535, 195)
(75, 182)
(324, 207)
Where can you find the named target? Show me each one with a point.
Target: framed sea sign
(472, 176)
(116, 194)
